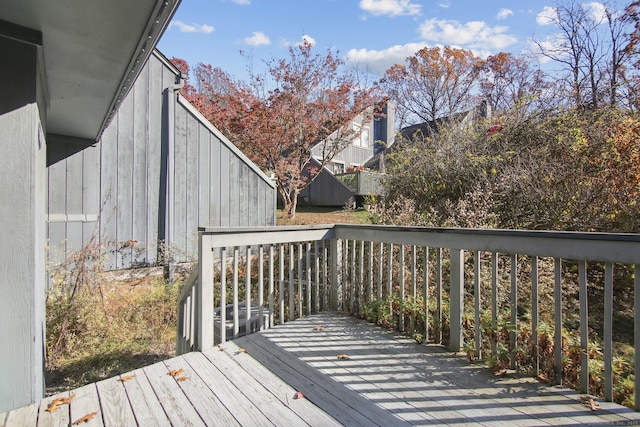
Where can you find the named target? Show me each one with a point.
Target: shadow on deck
(384, 379)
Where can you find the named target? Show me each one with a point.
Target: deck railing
(460, 275)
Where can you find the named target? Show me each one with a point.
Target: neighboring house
(344, 179)
(118, 162)
(418, 131)
(159, 172)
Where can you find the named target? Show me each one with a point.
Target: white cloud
(242, 2)
(305, 38)
(390, 7)
(444, 5)
(258, 38)
(192, 28)
(378, 61)
(504, 13)
(597, 11)
(548, 16)
(471, 35)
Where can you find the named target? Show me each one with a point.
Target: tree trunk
(291, 205)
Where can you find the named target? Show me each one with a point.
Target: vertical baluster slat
(292, 278)
(236, 320)
(478, 304)
(557, 295)
(353, 278)
(534, 314)
(308, 266)
(316, 263)
(584, 327)
(513, 335)
(439, 295)
(260, 288)
(300, 281)
(380, 269)
(494, 302)
(361, 296)
(223, 295)
(414, 287)
(271, 286)
(402, 290)
(281, 283)
(608, 331)
(370, 275)
(247, 291)
(425, 291)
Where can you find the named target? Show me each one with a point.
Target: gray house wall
(22, 231)
(159, 172)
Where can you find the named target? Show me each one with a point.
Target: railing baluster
(456, 299)
(513, 337)
(439, 295)
(414, 293)
(204, 294)
(281, 283)
(361, 296)
(534, 315)
(584, 327)
(608, 331)
(390, 274)
(236, 320)
(292, 278)
(260, 288)
(336, 274)
(223, 295)
(247, 290)
(300, 282)
(478, 303)
(325, 276)
(402, 290)
(271, 286)
(636, 331)
(316, 262)
(494, 302)
(380, 269)
(370, 277)
(308, 278)
(557, 296)
(352, 278)
(426, 294)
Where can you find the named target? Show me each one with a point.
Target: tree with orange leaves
(313, 103)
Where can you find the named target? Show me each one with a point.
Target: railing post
(457, 299)
(336, 273)
(205, 293)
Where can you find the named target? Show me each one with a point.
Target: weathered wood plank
(116, 409)
(176, 405)
(272, 408)
(145, 405)
(86, 403)
(347, 407)
(124, 182)
(59, 417)
(244, 409)
(26, 416)
(139, 216)
(278, 388)
(197, 387)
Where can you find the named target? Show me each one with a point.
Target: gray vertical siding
(115, 190)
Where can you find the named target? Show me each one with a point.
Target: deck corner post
(204, 294)
(336, 274)
(456, 306)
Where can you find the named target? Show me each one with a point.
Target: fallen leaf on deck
(175, 372)
(59, 401)
(126, 378)
(182, 378)
(500, 373)
(298, 395)
(320, 328)
(343, 357)
(221, 349)
(242, 350)
(85, 419)
(590, 402)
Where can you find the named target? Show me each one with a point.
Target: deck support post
(336, 274)
(204, 305)
(457, 299)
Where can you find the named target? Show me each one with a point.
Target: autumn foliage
(306, 101)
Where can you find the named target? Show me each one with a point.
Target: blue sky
(374, 34)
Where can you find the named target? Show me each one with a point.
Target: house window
(362, 136)
(335, 167)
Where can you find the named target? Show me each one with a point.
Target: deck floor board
(385, 379)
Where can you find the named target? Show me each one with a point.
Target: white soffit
(92, 50)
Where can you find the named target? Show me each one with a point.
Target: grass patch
(310, 215)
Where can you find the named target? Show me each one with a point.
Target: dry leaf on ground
(126, 378)
(298, 395)
(182, 378)
(242, 350)
(175, 372)
(85, 419)
(55, 404)
(320, 328)
(590, 402)
(343, 357)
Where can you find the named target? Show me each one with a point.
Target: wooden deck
(383, 379)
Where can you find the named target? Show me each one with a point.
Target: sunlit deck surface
(384, 380)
